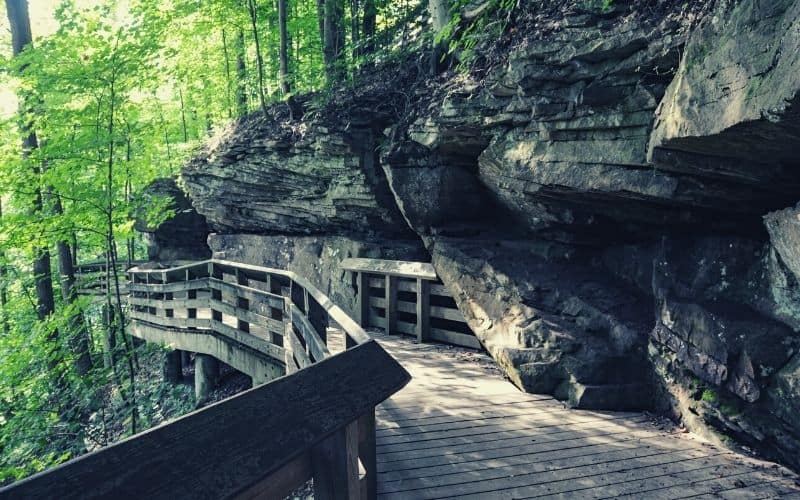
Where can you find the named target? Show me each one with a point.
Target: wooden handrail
(399, 268)
(262, 443)
(318, 420)
(352, 329)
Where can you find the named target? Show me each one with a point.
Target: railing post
(362, 282)
(367, 454)
(288, 331)
(423, 310)
(206, 373)
(335, 466)
(152, 310)
(390, 301)
(241, 302)
(191, 312)
(169, 312)
(215, 295)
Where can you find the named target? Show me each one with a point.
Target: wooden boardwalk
(459, 430)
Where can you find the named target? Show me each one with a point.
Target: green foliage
(601, 5)
(465, 38)
(709, 396)
(122, 93)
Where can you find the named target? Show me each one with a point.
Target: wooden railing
(408, 298)
(273, 311)
(92, 277)
(317, 422)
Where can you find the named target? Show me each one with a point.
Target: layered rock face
(269, 177)
(300, 197)
(626, 249)
(613, 206)
(183, 236)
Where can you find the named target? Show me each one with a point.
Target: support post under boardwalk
(172, 367)
(186, 359)
(206, 373)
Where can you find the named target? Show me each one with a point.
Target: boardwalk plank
(524, 455)
(460, 431)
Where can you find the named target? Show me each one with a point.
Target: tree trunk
(109, 339)
(284, 48)
(183, 116)
(6, 327)
(74, 249)
(79, 336)
(355, 29)
(19, 21)
(368, 31)
(251, 6)
(321, 21)
(334, 40)
(440, 15)
(130, 243)
(227, 75)
(241, 75)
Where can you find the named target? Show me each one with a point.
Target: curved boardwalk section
(459, 430)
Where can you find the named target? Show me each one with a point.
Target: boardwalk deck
(459, 430)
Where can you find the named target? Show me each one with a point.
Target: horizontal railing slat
(272, 299)
(249, 340)
(350, 327)
(180, 286)
(402, 286)
(315, 343)
(457, 338)
(297, 349)
(272, 325)
(201, 323)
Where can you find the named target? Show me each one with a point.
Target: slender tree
(355, 29)
(228, 79)
(19, 21)
(241, 74)
(79, 336)
(6, 328)
(284, 48)
(334, 40)
(369, 23)
(440, 15)
(252, 8)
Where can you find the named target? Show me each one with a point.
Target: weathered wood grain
(398, 268)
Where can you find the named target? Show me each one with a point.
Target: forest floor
(156, 400)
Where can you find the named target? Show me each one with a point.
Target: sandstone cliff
(610, 196)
